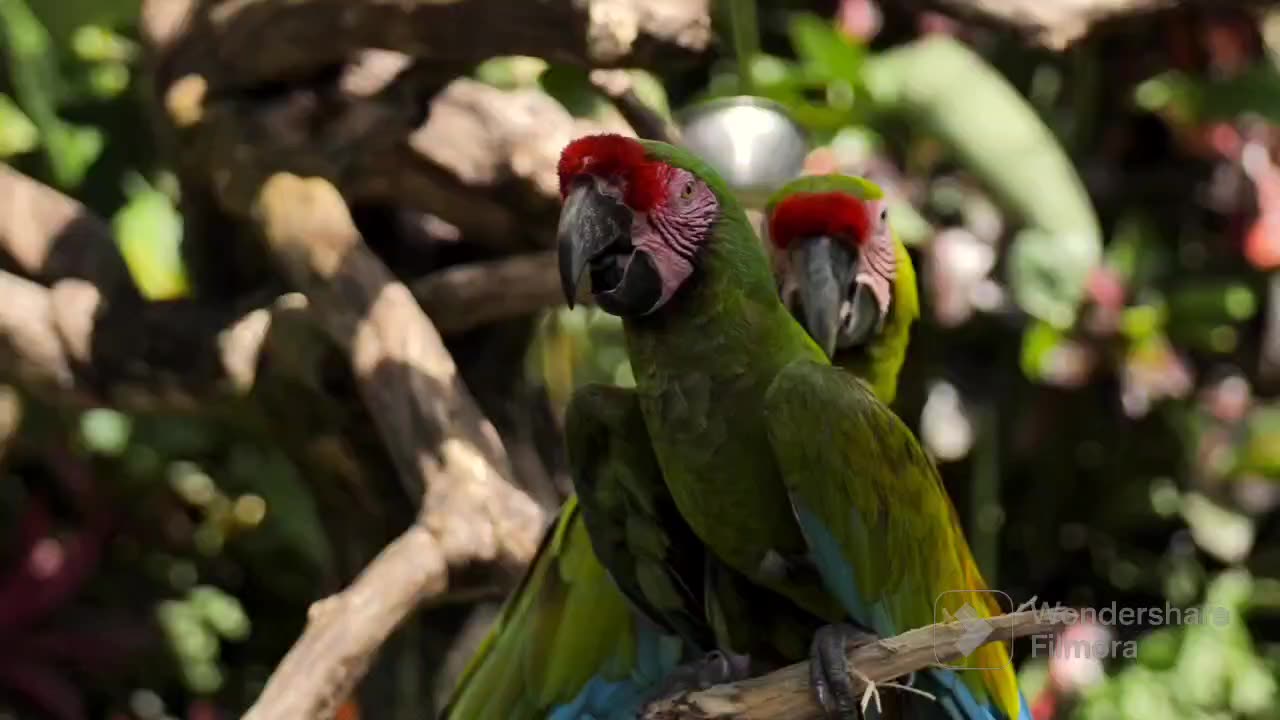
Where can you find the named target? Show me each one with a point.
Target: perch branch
(1057, 24)
(786, 693)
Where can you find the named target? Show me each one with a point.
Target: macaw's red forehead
(833, 214)
(618, 159)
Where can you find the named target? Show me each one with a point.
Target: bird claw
(714, 668)
(829, 673)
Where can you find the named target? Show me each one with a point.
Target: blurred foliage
(1097, 235)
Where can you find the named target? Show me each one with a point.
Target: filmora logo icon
(976, 630)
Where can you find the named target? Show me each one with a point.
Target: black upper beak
(824, 271)
(591, 221)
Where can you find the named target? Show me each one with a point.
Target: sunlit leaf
(572, 87)
(1221, 532)
(941, 86)
(822, 47)
(37, 84)
(105, 431)
(98, 44)
(18, 134)
(149, 232)
(1198, 100)
(511, 71)
(221, 611)
(1048, 272)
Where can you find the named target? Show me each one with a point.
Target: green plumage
(746, 414)
(736, 413)
(537, 656)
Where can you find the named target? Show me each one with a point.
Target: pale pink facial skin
(672, 232)
(878, 262)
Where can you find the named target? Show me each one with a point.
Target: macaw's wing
(635, 527)
(566, 643)
(879, 524)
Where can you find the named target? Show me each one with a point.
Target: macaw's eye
(884, 213)
(687, 192)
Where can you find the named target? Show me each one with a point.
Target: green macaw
(567, 645)
(780, 463)
(650, 551)
(862, 319)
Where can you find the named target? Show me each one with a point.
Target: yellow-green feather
(565, 624)
(879, 363)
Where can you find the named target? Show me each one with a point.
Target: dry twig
(786, 693)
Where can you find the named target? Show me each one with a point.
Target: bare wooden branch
(786, 693)
(99, 342)
(1057, 24)
(483, 160)
(344, 631)
(437, 437)
(50, 236)
(246, 42)
(466, 296)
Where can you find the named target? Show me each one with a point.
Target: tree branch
(242, 43)
(1057, 24)
(462, 297)
(437, 437)
(786, 693)
(344, 631)
(99, 342)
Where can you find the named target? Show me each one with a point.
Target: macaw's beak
(823, 272)
(595, 233)
(591, 223)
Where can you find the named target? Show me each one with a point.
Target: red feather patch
(833, 214)
(616, 158)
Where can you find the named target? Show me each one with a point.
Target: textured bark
(786, 693)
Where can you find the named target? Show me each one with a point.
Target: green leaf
(823, 48)
(1048, 272)
(105, 431)
(1198, 100)
(65, 17)
(1223, 533)
(223, 612)
(148, 231)
(511, 71)
(941, 86)
(98, 44)
(18, 134)
(649, 88)
(572, 87)
(38, 86)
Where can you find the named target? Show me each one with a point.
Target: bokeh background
(1090, 192)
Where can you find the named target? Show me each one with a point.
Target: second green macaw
(780, 463)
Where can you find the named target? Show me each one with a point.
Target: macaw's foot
(714, 668)
(829, 670)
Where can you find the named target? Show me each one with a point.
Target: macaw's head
(834, 256)
(632, 220)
